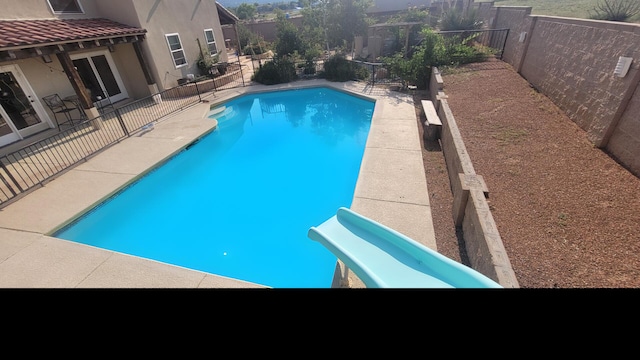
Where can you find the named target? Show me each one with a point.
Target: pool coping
(391, 189)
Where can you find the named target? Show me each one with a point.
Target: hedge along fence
(482, 240)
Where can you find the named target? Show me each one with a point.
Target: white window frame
(173, 59)
(66, 12)
(206, 39)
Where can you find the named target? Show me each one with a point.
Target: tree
(289, 40)
(246, 11)
(345, 20)
(413, 15)
(434, 50)
(313, 27)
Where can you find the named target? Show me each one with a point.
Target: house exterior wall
(49, 78)
(130, 71)
(188, 18)
(46, 79)
(39, 9)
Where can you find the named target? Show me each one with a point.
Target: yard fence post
(122, 125)
(373, 75)
(198, 90)
(241, 74)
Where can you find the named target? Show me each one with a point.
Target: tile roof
(26, 33)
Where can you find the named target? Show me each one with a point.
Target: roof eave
(229, 17)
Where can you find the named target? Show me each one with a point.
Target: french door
(100, 76)
(21, 113)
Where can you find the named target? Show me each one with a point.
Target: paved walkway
(391, 189)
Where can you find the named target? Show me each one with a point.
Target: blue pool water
(239, 202)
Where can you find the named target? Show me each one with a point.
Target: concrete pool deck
(391, 189)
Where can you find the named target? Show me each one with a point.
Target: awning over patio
(22, 39)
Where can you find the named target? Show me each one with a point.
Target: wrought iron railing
(377, 73)
(493, 40)
(34, 165)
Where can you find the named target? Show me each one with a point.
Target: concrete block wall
(518, 22)
(470, 208)
(572, 61)
(484, 12)
(625, 139)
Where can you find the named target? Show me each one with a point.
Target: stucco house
(96, 51)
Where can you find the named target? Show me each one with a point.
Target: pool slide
(383, 258)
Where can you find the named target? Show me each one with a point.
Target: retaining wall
(471, 212)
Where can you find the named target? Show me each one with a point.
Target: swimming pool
(239, 201)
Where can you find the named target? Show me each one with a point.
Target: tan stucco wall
(45, 79)
(130, 70)
(39, 9)
(188, 18)
(49, 78)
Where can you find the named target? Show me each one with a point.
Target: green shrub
(435, 50)
(280, 70)
(338, 68)
(206, 62)
(463, 50)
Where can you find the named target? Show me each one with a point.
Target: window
(176, 50)
(65, 6)
(211, 41)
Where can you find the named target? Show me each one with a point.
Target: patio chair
(61, 107)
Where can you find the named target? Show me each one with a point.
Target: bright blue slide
(383, 258)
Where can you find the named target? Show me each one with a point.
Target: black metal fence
(491, 40)
(376, 74)
(369, 72)
(35, 164)
(303, 69)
